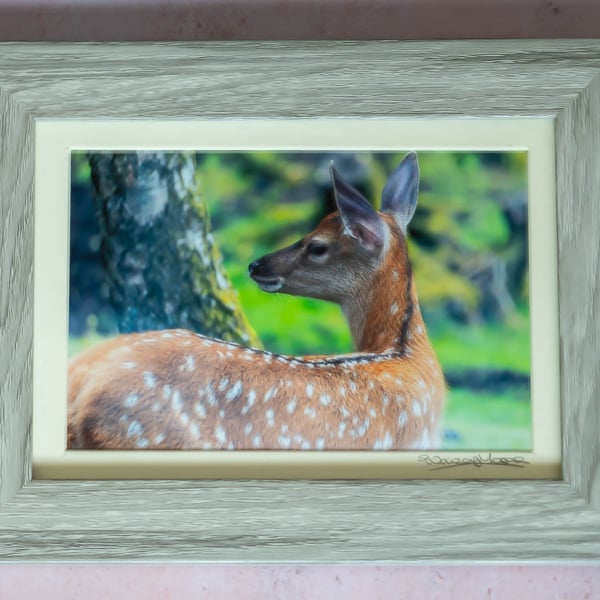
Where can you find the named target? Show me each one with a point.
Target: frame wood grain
(306, 520)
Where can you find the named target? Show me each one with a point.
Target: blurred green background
(468, 245)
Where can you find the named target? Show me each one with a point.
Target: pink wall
(296, 582)
(101, 20)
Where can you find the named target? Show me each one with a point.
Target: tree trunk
(160, 257)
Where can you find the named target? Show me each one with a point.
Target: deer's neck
(386, 317)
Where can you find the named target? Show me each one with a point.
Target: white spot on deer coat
(403, 418)
(248, 428)
(131, 400)
(342, 391)
(270, 414)
(310, 412)
(423, 443)
(176, 400)
(362, 430)
(325, 400)
(195, 430)
(417, 408)
(309, 390)
(394, 308)
(135, 428)
(190, 363)
(291, 407)
(159, 438)
(341, 429)
(220, 435)
(150, 380)
(184, 418)
(257, 441)
(156, 406)
(234, 392)
(128, 365)
(209, 393)
(320, 443)
(249, 401)
(200, 410)
(385, 443)
(167, 392)
(284, 441)
(142, 443)
(223, 384)
(270, 393)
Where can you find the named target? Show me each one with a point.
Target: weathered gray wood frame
(306, 520)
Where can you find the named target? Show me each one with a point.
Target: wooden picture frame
(306, 520)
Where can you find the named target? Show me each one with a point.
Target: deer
(176, 389)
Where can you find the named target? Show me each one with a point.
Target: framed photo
(164, 262)
(547, 91)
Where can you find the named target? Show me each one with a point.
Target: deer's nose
(257, 267)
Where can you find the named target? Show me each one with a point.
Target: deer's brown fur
(176, 389)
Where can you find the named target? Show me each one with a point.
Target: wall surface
(120, 20)
(100, 20)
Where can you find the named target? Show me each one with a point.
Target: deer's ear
(400, 192)
(359, 218)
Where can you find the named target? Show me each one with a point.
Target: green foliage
(476, 421)
(80, 168)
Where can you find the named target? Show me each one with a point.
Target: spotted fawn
(176, 389)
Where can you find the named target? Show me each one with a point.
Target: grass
(476, 421)
(501, 346)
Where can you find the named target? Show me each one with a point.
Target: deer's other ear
(360, 220)
(400, 193)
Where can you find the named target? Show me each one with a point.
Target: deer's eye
(318, 249)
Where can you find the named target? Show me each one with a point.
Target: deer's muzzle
(261, 272)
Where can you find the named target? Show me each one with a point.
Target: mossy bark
(164, 268)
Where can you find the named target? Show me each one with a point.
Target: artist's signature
(436, 462)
